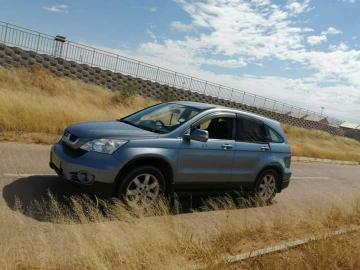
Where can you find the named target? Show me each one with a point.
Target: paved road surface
(24, 174)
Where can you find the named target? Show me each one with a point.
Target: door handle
(264, 148)
(227, 146)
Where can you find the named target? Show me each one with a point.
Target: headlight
(107, 146)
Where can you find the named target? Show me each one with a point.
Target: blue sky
(304, 52)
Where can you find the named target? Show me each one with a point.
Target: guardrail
(27, 39)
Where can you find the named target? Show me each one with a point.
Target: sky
(303, 52)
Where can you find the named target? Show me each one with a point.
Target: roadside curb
(320, 160)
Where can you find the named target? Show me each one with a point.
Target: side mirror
(198, 135)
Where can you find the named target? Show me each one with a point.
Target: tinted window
(219, 128)
(250, 130)
(273, 136)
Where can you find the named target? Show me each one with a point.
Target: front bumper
(86, 168)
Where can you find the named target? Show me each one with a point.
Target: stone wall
(16, 57)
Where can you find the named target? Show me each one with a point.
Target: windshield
(162, 118)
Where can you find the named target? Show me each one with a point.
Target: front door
(208, 165)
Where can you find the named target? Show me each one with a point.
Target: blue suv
(177, 147)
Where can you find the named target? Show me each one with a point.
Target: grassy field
(35, 107)
(338, 253)
(88, 234)
(33, 103)
(319, 144)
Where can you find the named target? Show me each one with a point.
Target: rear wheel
(266, 186)
(142, 187)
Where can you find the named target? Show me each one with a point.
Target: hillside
(36, 106)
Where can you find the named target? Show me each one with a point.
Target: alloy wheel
(267, 187)
(143, 190)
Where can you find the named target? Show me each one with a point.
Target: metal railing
(27, 39)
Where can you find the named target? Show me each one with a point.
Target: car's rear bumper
(286, 180)
(91, 166)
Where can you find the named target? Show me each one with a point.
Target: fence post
(282, 108)
(190, 83)
(92, 59)
(116, 64)
(67, 48)
(157, 74)
(137, 69)
(174, 79)
(218, 93)
(291, 108)
(205, 88)
(38, 42)
(6, 30)
(243, 98)
(231, 95)
(273, 109)
(254, 100)
(264, 103)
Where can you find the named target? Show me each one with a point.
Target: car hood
(108, 129)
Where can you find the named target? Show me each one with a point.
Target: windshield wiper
(151, 129)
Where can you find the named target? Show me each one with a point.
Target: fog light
(82, 177)
(90, 178)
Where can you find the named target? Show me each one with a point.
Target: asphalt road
(25, 175)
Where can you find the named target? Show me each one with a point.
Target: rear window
(250, 130)
(273, 136)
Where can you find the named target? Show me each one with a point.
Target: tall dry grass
(34, 101)
(320, 144)
(92, 234)
(36, 106)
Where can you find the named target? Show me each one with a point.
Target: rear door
(252, 150)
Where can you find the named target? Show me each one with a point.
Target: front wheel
(142, 187)
(266, 186)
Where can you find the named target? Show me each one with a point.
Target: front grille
(71, 151)
(74, 177)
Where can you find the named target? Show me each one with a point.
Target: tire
(266, 186)
(142, 187)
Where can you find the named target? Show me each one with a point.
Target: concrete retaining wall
(16, 57)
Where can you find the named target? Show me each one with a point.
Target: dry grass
(87, 234)
(319, 144)
(336, 253)
(35, 107)
(38, 102)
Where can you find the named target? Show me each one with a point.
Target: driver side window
(221, 128)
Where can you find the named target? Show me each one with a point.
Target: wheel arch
(158, 162)
(277, 168)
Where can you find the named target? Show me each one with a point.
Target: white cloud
(331, 31)
(182, 27)
(153, 9)
(57, 8)
(151, 34)
(341, 47)
(297, 7)
(316, 40)
(244, 32)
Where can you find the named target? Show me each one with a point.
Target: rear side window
(250, 130)
(273, 136)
